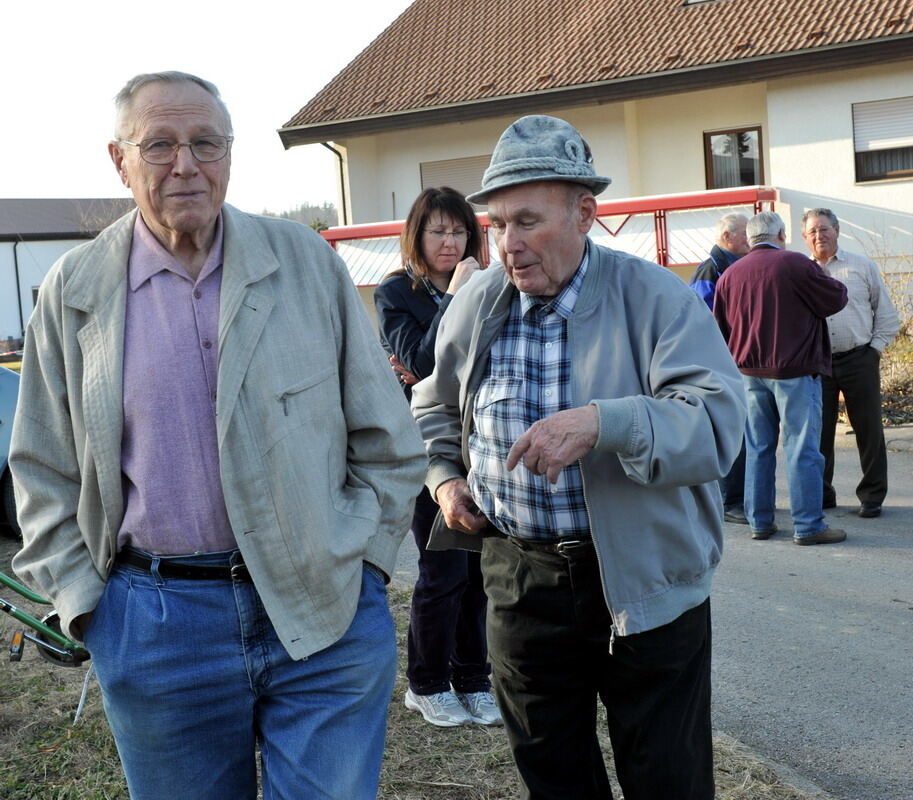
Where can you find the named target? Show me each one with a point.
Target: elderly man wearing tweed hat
(582, 407)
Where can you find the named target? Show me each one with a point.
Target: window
(883, 139)
(733, 158)
(462, 174)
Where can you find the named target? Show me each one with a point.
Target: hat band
(558, 165)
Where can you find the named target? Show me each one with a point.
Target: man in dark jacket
(772, 307)
(731, 245)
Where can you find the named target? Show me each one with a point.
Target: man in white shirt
(859, 333)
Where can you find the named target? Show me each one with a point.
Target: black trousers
(858, 375)
(446, 642)
(549, 637)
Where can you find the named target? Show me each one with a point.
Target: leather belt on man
(168, 568)
(569, 548)
(845, 353)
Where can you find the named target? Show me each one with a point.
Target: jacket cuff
(617, 420)
(78, 598)
(440, 471)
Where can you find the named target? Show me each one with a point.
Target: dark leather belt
(569, 548)
(172, 569)
(846, 353)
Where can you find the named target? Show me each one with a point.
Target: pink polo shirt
(169, 452)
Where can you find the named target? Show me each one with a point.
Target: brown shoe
(827, 536)
(764, 534)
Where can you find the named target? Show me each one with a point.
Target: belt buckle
(239, 573)
(566, 546)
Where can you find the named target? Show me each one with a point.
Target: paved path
(813, 650)
(813, 647)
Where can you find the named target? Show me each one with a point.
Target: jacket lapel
(245, 305)
(98, 287)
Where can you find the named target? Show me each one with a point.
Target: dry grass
(43, 756)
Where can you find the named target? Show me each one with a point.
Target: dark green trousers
(549, 639)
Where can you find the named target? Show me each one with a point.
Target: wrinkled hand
(462, 273)
(552, 443)
(459, 509)
(401, 372)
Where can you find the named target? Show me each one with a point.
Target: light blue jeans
(794, 405)
(193, 677)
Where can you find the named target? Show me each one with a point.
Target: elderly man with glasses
(214, 469)
(858, 334)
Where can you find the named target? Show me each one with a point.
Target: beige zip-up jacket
(320, 459)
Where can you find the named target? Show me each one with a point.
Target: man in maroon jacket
(772, 306)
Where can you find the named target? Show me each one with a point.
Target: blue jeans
(794, 405)
(193, 677)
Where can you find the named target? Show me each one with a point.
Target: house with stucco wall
(34, 233)
(673, 96)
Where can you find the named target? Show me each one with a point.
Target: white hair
(767, 226)
(123, 101)
(728, 223)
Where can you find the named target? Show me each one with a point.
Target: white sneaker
(441, 709)
(481, 707)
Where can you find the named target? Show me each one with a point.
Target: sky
(61, 63)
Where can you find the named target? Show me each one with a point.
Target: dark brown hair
(448, 203)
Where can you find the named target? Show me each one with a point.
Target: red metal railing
(659, 206)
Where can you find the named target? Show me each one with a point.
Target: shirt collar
(563, 303)
(839, 255)
(148, 257)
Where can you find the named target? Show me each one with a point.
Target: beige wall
(812, 158)
(384, 176)
(670, 134)
(647, 147)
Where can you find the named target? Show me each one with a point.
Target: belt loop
(154, 571)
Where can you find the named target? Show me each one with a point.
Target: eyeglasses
(165, 151)
(819, 229)
(441, 233)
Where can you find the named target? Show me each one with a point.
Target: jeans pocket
(377, 572)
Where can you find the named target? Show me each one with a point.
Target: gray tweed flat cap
(539, 148)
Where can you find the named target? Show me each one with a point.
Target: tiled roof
(58, 218)
(441, 53)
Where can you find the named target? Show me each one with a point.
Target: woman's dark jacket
(408, 320)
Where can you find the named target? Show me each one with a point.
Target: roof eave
(846, 55)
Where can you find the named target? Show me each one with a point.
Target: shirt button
(555, 491)
(197, 294)
(207, 344)
(548, 392)
(548, 345)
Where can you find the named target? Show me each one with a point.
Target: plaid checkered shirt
(529, 378)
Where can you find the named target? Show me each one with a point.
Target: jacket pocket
(311, 400)
(286, 395)
(501, 413)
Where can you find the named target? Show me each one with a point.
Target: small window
(883, 139)
(733, 158)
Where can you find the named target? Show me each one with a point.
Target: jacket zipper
(605, 593)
